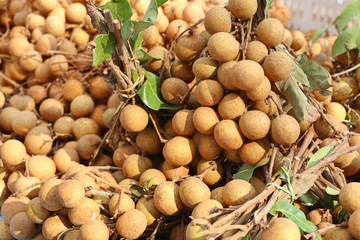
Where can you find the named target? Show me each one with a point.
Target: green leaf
(137, 191)
(308, 199)
(347, 40)
(247, 237)
(332, 191)
(319, 155)
(104, 47)
(246, 171)
(138, 41)
(150, 93)
(317, 76)
(268, 4)
(350, 12)
(144, 56)
(120, 9)
(318, 33)
(294, 214)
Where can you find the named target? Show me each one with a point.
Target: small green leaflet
(246, 171)
(120, 9)
(308, 199)
(294, 214)
(143, 56)
(104, 47)
(268, 4)
(150, 93)
(348, 39)
(319, 155)
(350, 12)
(332, 191)
(318, 33)
(247, 237)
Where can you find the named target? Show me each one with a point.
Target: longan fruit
(13, 70)
(30, 60)
(122, 152)
(7, 115)
(231, 106)
(41, 167)
(22, 102)
(18, 46)
(323, 129)
(75, 13)
(2, 99)
(148, 141)
(5, 233)
(182, 70)
(232, 155)
(254, 124)
(224, 75)
(205, 68)
(267, 105)
(72, 88)
(205, 119)
(256, 51)
(338, 233)
(288, 38)
(182, 122)
(155, 65)
(227, 134)
(27, 186)
(83, 126)
(273, 37)
(21, 227)
(179, 151)
(212, 177)
(174, 89)
(173, 172)
(13, 152)
(208, 147)
(47, 42)
(13, 176)
(13, 205)
(82, 106)
(120, 203)
(237, 192)
(284, 130)
(58, 65)
(45, 6)
(348, 197)
(93, 230)
(88, 209)
(353, 224)
(277, 66)
(152, 177)
(131, 224)
(35, 212)
(192, 13)
(55, 26)
(38, 141)
(167, 199)
(65, 157)
(195, 232)
(63, 127)
(209, 92)
(336, 109)
(70, 193)
(51, 109)
(47, 195)
(80, 37)
(319, 215)
(147, 206)
(223, 47)
(54, 225)
(205, 208)
(260, 92)
(42, 73)
(37, 92)
(347, 59)
(192, 191)
(134, 165)
(175, 27)
(253, 152)
(246, 75)
(152, 37)
(20, 17)
(281, 228)
(68, 47)
(87, 145)
(243, 9)
(134, 118)
(217, 19)
(162, 21)
(189, 47)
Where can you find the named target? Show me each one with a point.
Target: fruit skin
(277, 66)
(281, 229)
(252, 152)
(167, 199)
(246, 75)
(93, 230)
(21, 227)
(338, 233)
(237, 192)
(354, 224)
(231, 106)
(223, 47)
(243, 9)
(349, 197)
(273, 37)
(227, 134)
(179, 151)
(209, 92)
(195, 232)
(173, 90)
(254, 124)
(217, 19)
(131, 224)
(285, 130)
(134, 118)
(256, 51)
(54, 225)
(189, 47)
(192, 191)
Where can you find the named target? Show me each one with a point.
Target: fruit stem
(346, 71)
(323, 230)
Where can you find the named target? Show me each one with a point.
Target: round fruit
(223, 47)
(120, 203)
(338, 233)
(151, 177)
(54, 225)
(167, 199)
(349, 195)
(182, 122)
(223, 75)
(212, 177)
(246, 75)
(134, 118)
(21, 227)
(227, 134)
(147, 206)
(148, 141)
(261, 92)
(173, 172)
(324, 130)
(35, 212)
(13, 152)
(192, 191)
(131, 224)
(253, 152)
(353, 227)
(93, 230)
(134, 165)
(281, 229)
(217, 19)
(182, 70)
(174, 90)
(195, 232)
(205, 68)
(208, 147)
(244, 9)
(256, 51)
(41, 167)
(277, 66)
(209, 92)
(88, 209)
(205, 208)
(205, 119)
(273, 37)
(237, 192)
(47, 195)
(179, 151)
(284, 130)
(70, 193)
(12, 206)
(189, 47)
(254, 124)
(231, 106)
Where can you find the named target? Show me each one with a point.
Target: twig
(323, 230)
(304, 146)
(346, 71)
(9, 80)
(271, 164)
(156, 126)
(159, 223)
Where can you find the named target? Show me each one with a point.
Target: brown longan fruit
(205, 119)
(216, 194)
(13, 152)
(208, 147)
(58, 65)
(22, 102)
(346, 87)
(353, 224)
(256, 51)
(63, 127)
(148, 141)
(41, 167)
(179, 151)
(209, 92)
(205, 208)
(237, 192)
(5, 233)
(217, 19)
(68, 47)
(38, 141)
(70, 193)
(323, 129)
(122, 152)
(273, 37)
(87, 145)
(338, 233)
(37, 92)
(131, 224)
(253, 152)
(193, 13)
(349, 195)
(82, 106)
(27, 186)
(51, 109)
(260, 92)
(54, 225)
(182, 122)
(254, 124)
(134, 165)
(243, 9)
(35, 212)
(284, 130)
(13, 205)
(88, 209)
(231, 106)
(174, 89)
(227, 134)
(267, 105)
(246, 75)
(120, 203)
(192, 191)
(72, 88)
(75, 13)
(175, 27)
(30, 60)
(205, 68)
(167, 199)
(64, 158)
(21, 227)
(99, 88)
(83, 126)
(223, 47)
(155, 65)
(189, 47)
(319, 215)
(336, 109)
(182, 70)
(281, 228)
(18, 46)
(134, 118)
(173, 172)
(212, 177)
(47, 195)
(93, 230)
(223, 75)
(152, 177)
(7, 115)
(277, 66)
(147, 206)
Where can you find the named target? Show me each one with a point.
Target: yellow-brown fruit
(70, 193)
(205, 208)
(13, 205)
(6, 117)
(243, 9)
(88, 209)
(134, 165)
(21, 227)
(353, 226)
(208, 147)
(47, 195)
(246, 75)
(192, 13)
(155, 65)
(35, 212)
(173, 172)
(122, 152)
(256, 51)
(349, 196)
(280, 12)
(189, 47)
(192, 191)
(132, 224)
(54, 225)
(299, 40)
(175, 27)
(87, 145)
(227, 134)
(209, 92)
(182, 122)
(182, 70)
(345, 88)
(5, 233)
(22, 102)
(205, 68)
(148, 141)
(51, 109)
(323, 129)
(13, 152)
(260, 92)
(217, 19)
(223, 47)
(273, 37)
(205, 119)
(319, 215)
(224, 75)
(151, 177)
(174, 89)
(18, 46)
(254, 124)
(179, 151)
(336, 109)
(238, 192)
(72, 88)
(167, 199)
(281, 229)
(41, 167)
(338, 233)
(82, 106)
(195, 232)
(93, 230)
(30, 60)
(285, 130)
(231, 106)
(277, 66)
(288, 39)
(134, 118)
(146, 205)
(253, 152)
(212, 177)
(120, 203)
(347, 59)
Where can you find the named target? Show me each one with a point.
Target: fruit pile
(249, 138)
